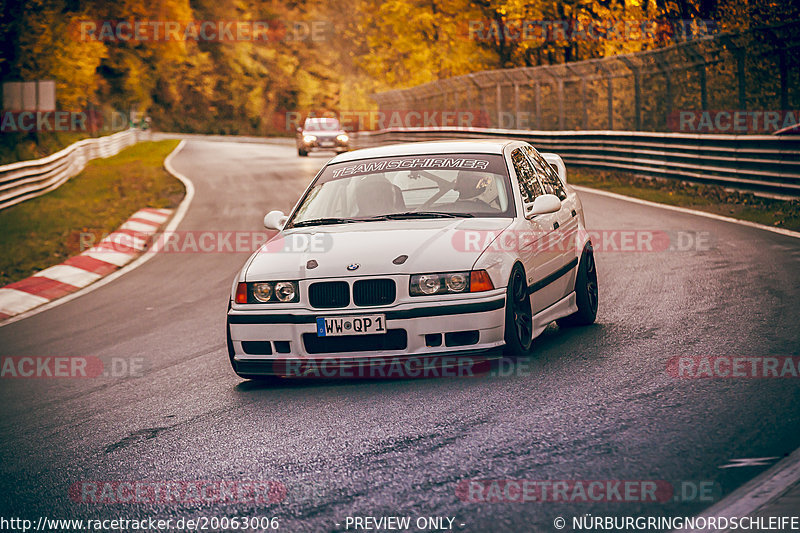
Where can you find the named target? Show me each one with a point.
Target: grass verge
(709, 198)
(45, 231)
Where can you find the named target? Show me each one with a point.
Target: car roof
(425, 148)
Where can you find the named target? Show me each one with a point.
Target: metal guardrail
(752, 162)
(28, 179)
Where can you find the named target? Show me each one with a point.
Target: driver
(376, 195)
(470, 186)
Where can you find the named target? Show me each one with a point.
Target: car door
(536, 233)
(562, 242)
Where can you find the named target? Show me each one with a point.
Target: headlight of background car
(267, 292)
(342, 138)
(450, 283)
(309, 138)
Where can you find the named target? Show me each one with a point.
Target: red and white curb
(114, 251)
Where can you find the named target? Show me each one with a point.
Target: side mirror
(275, 220)
(299, 129)
(544, 204)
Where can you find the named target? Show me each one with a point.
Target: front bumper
(324, 144)
(464, 327)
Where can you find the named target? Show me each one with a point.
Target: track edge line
(756, 494)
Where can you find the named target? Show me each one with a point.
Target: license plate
(336, 326)
(326, 143)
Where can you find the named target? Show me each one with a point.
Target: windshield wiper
(427, 214)
(322, 222)
(388, 216)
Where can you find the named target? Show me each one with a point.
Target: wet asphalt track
(589, 404)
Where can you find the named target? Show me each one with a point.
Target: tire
(302, 153)
(519, 318)
(586, 293)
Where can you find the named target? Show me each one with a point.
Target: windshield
(431, 186)
(322, 124)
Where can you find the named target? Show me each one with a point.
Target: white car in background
(462, 248)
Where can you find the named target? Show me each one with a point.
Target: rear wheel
(586, 293)
(519, 318)
(301, 153)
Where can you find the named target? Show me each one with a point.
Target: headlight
(262, 292)
(449, 283)
(425, 284)
(456, 282)
(309, 138)
(285, 291)
(267, 292)
(342, 138)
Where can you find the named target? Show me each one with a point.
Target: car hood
(431, 246)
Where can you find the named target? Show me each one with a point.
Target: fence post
(610, 81)
(741, 75)
(637, 91)
(666, 70)
(499, 102)
(583, 104)
(784, 75)
(703, 88)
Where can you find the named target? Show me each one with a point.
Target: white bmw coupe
(411, 252)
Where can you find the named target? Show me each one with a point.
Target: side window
(548, 176)
(528, 184)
